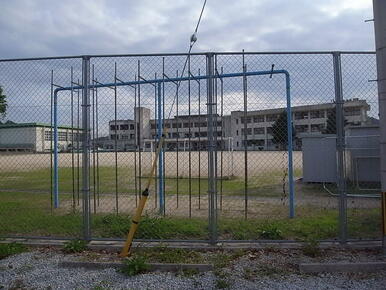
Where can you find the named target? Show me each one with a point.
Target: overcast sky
(52, 28)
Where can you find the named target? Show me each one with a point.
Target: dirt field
(232, 163)
(228, 206)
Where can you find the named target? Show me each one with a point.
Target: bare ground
(232, 164)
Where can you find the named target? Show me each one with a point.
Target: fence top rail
(185, 54)
(160, 81)
(293, 52)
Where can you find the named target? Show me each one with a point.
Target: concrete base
(342, 267)
(116, 245)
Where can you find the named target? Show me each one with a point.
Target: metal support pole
(211, 158)
(51, 160)
(379, 8)
(340, 143)
(86, 147)
(290, 143)
(160, 156)
(245, 140)
(56, 159)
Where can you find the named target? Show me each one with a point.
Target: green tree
(331, 123)
(3, 104)
(279, 131)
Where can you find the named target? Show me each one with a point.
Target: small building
(126, 135)
(361, 157)
(36, 137)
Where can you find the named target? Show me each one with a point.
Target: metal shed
(319, 158)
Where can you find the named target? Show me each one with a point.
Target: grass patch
(151, 227)
(11, 249)
(29, 214)
(39, 180)
(322, 226)
(266, 184)
(24, 213)
(169, 255)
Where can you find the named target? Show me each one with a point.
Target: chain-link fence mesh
(26, 145)
(249, 123)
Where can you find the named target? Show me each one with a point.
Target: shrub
(134, 266)
(75, 246)
(311, 248)
(270, 232)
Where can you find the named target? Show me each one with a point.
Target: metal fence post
(340, 145)
(86, 146)
(211, 150)
(379, 8)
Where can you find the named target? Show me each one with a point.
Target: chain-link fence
(80, 135)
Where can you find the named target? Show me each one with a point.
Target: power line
(193, 40)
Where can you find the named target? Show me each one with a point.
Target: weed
(248, 274)
(311, 248)
(11, 249)
(163, 254)
(222, 284)
(270, 232)
(75, 246)
(102, 285)
(267, 270)
(224, 259)
(189, 272)
(134, 266)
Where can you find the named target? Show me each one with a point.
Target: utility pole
(379, 8)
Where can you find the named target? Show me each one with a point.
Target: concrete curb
(154, 267)
(115, 246)
(342, 267)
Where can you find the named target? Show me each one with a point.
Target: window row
(62, 136)
(256, 131)
(122, 127)
(185, 125)
(122, 137)
(315, 114)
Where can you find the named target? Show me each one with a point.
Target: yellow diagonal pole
(142, 202)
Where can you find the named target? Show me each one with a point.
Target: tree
(331, 123)
(3, 104)
(279, 131)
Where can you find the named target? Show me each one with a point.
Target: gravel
(263, 269)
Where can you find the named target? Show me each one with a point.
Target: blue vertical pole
(160, 156)
(290, 161)
(56, 173)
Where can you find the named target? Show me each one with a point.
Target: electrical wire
(193, 40)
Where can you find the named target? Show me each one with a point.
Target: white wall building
(306, 119)
(191, 131)
(36, 137)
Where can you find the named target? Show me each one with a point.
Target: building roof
(33, 125)
(122, 120)
(322, 106)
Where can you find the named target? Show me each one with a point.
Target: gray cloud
(42, 27)
(53, 28)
